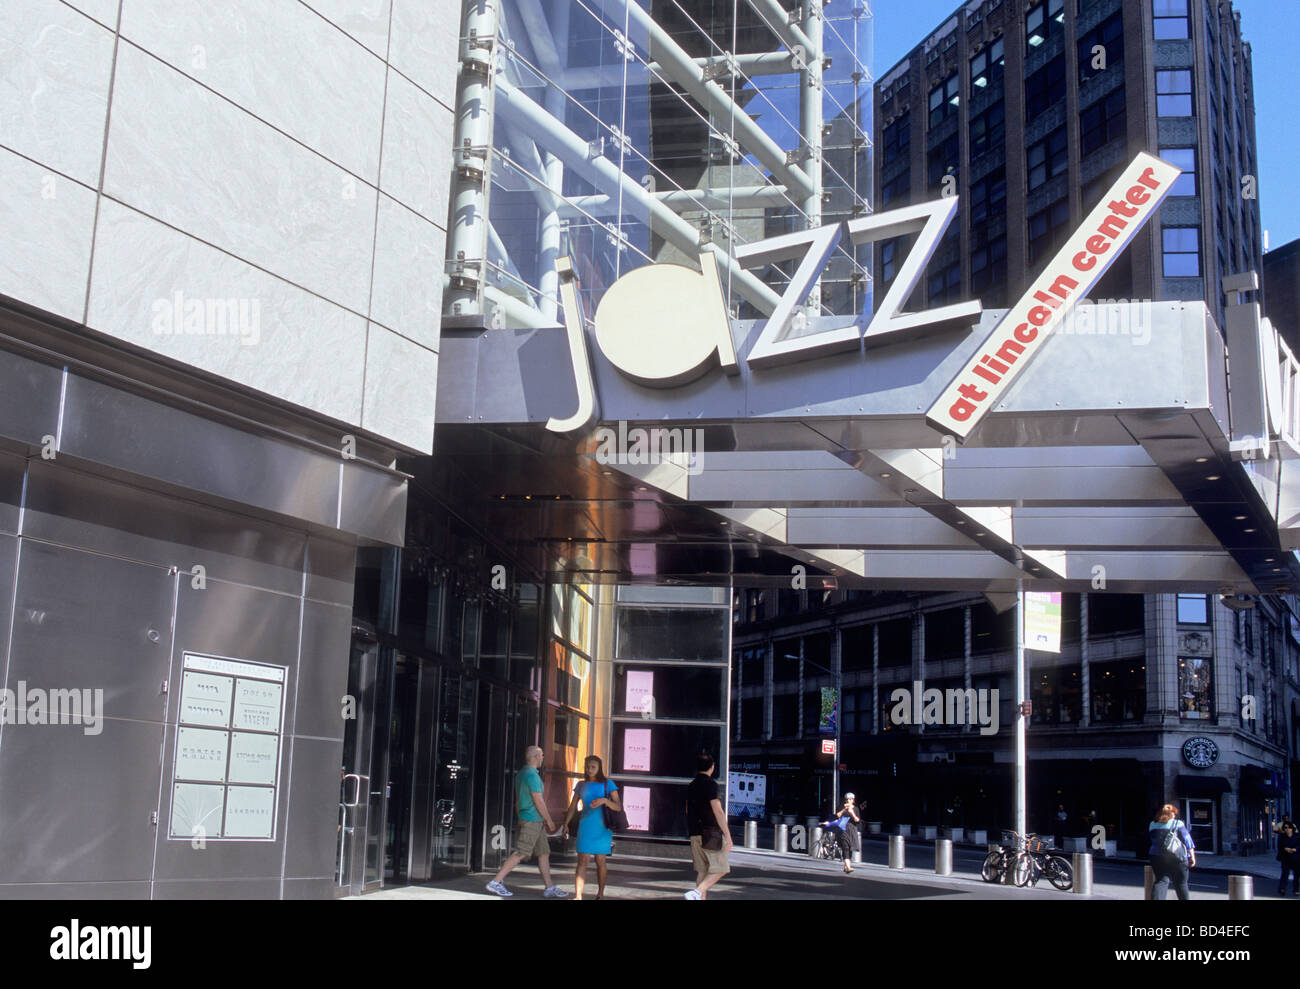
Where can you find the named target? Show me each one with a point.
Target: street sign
(828, 746)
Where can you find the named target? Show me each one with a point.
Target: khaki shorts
(706, 861)
(531, 840)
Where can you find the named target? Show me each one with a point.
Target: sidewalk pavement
(757, 875)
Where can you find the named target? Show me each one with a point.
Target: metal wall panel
(112, 427)
(12, 470)
(80, 509)
(8, 563)
(323, 679)
(331, 571)
(89, 621)
(218, 889)
(29, 398)
(313, 809)
(374, 503)
(308, 889)
(77, 807)
(75, 891)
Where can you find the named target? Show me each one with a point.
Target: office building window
(988, 266)
(896, 188)
(1193, 609)
(943, 160)
(1253, 723)
(1119, 691)
(1174, 93)
(945, 285)
(944, 100)
(1170, 18)
(1047, 158)
(1044, 88)
(986, 67)
(1184, 158)
(1102, 122)
(1044, 20)
(1057, 695)
(1111, 614)
(1109, 35)
(1195, 688)
(1182, 252)
(988, 197)
(988, 130)
(898, 137)
(1046, 229)
(889, 255)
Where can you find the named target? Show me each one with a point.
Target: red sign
(828, 746)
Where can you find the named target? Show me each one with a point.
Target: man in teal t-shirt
(531, 838)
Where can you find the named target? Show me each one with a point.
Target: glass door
(1199, 816)
(354, 775)
(453, 764)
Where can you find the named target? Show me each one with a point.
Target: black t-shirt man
(699, 814)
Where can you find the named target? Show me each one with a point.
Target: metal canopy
(1106, 465)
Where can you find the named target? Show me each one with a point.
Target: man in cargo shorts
(530, 839)
(707, 825)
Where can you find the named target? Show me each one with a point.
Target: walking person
(845, 828)
(1288, 853)
(530, 839)
(595, 839)
(1061, 818)
(1172, 853)
(707, 825)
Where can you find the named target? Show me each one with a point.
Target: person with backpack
(1288, 853)
(1172, 853)
(595, 836)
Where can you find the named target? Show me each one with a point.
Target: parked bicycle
(1028, 858)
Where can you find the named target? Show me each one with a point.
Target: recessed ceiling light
(1247, 530)
(1213, 477)
(979, 533)
(961, 521)
(886, 474)
(1240, 518)
(724, 523)
(1202, 460)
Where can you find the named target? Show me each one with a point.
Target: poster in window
(636, 802)
(640, 693)
(636, 750)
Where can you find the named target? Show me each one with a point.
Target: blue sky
(1269, 26)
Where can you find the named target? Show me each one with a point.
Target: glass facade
(623, 134)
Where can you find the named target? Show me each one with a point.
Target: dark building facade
(1282, 290)
(1028, 111)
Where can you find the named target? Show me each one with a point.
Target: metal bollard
(782, 842)
(943, 857)
(1241, 887)
(857, 856)
(815, 837)
(1148, 880)
(1082, 873)
(751, 834)
(896, 851)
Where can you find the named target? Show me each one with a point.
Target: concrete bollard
(751, 834)
(943, 857)
(1148, 880)
(1241, 887)
(857, 856)
(895, 851)
(814, 838)
(782, 842)
(1082, 863)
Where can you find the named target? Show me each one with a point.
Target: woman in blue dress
(594, 839)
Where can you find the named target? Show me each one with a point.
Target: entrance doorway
(1202, 822)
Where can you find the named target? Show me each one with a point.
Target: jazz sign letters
(664, 325)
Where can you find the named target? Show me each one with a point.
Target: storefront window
(1056, 694)
(1195, 688)
(1119, 691)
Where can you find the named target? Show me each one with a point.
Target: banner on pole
(1042, 611)
(829, 713)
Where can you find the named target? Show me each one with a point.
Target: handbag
(1171, 842)
(615, 820)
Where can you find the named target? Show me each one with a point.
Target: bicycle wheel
(1022, 871)
(1058, 872)
(993, 867)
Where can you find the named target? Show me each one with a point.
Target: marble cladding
(255, 188)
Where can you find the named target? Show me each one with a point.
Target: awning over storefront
(1201, 786)
(1258, 781)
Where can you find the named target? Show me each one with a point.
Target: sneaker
(693, 894)
(498, 888)
(555, 893)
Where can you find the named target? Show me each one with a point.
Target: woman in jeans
(1172, 853)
